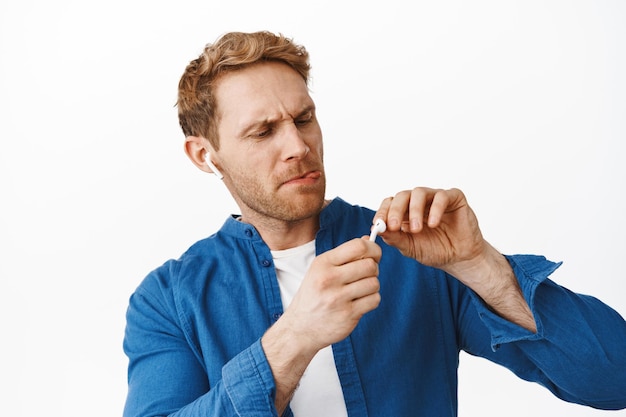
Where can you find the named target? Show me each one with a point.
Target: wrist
(481, 271)
(288, 356)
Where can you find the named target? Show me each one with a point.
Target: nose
(293, 144)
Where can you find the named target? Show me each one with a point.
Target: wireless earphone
(207, 160)
(379, 227)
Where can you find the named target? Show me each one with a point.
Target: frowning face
(271, 151)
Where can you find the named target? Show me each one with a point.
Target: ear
(196, 147)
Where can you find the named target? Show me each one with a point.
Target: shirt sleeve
(578, 351)
(166, 376)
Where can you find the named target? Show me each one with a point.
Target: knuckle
(367, 267)
(375, 285)
(376, 298)
(326, 281)
(372, 266)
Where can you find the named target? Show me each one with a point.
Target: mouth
(307, 178)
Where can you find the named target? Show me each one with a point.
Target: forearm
(577, 350)
(582, 349)
(172, 386)
(492, 278)
(288, 358)
(168, 376)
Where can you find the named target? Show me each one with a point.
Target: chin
(301, 207)
(291, 205)
(306, 209)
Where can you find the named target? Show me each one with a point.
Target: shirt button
(276, 316)
(266, 262)
(248, 232)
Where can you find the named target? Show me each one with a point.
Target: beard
(271, 201)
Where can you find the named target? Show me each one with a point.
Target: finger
(369, 297)
(398, 211)
(361, 288)
(383, 210)
(438, 206)
(444, 201)
(418, 208)
(358, 270)
(353, 250)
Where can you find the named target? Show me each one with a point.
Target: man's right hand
(339, 288)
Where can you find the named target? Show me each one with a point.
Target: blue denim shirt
(194, 327)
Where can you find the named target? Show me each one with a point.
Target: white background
(521, 104)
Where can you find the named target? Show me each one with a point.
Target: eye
(262, 133)
(304, 119)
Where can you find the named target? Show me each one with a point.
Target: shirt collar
(238, 229)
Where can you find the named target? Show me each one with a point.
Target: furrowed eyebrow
(269, 121)
(308, 112)
(254, 126)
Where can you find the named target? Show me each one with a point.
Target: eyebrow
(268, 121)
(251, 127)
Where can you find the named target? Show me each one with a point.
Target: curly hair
(233, 51)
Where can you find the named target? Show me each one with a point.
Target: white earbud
(379, 227)
(207, 160)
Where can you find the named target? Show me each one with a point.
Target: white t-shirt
(319, 392)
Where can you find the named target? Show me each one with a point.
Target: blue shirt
(194, 327)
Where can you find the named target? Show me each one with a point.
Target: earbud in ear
(379, 227)
(207, 160)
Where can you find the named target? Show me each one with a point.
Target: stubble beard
(282, 205)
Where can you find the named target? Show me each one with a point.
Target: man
(289, 309)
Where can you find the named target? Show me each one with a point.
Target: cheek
(319, 149)
(316, 143)
(252, 173)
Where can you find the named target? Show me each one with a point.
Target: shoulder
(347, 219)
(163, 280)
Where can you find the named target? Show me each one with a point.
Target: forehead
(262, 91)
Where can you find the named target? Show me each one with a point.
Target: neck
(279, 235)
(284, 234)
